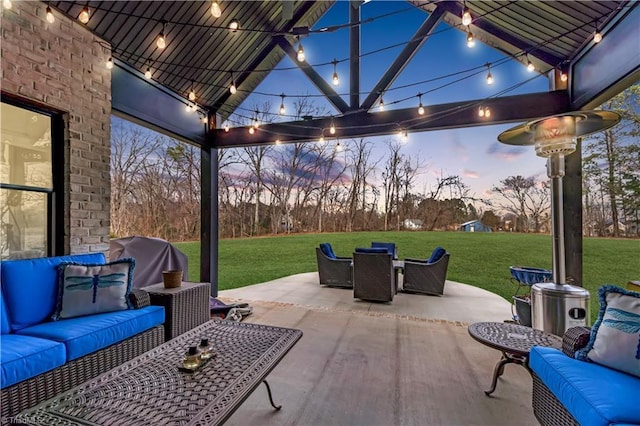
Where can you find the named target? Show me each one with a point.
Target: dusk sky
(472, 153)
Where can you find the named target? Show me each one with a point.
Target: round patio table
(514, 341)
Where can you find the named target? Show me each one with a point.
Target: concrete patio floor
(411, 362)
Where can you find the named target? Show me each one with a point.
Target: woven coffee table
(150, 390)
(514, 341)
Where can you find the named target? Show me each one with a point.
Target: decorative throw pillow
(615, 337)
(85, 289)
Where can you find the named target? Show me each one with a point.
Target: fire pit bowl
(530, 276)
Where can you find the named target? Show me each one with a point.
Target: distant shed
(474, 226)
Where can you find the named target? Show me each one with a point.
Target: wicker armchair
(373, 275)
(333, 271)
(426, 276)
(546, 407)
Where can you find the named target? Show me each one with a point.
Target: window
(26, 182)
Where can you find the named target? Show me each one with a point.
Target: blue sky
(472, 153)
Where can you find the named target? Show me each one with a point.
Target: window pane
(23, 224)
(25, 147)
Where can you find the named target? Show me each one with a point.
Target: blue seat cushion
(592, 393)
(84, 335)
(24, 357)
(327, 250)
(5, 328)
(30, 287)
(437, 254)
(390, 247)
(382, 250)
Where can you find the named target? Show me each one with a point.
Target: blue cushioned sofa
(40, 358)
(567, 391)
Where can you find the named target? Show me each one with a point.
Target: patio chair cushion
(592, 393)
(87, 334)
(4, 319)
(390, 247)
(437, 253)
(327, 250)
(23, 357)
(614, 337)
(89, 289)
(372, 250)
(30, 287)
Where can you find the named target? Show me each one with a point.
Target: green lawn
(479, 259)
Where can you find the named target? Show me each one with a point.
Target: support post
(572, 184)
(209, 218)
(354, 54)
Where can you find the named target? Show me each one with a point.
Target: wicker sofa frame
(546, 407)
(426, 278)
(373, 277)
(334, 272)
(31, 392)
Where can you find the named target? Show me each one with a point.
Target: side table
(185, 307)
(514, 341)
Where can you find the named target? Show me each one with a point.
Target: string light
(489, 76)
(7, 4)
(252, 130)
(256, 122)
(381, 103)
(405, 136)
(597, 36)
(563, 76)
(420, 107)
(226, 126)
(204, 119)
(466, 15)
(338, 147)
(215, 9)
(484, 112)
(336, 80)
(234, 25)
(233, 89)
(282, 110)
(470, 40)
(160, 41)
(110, 63)
(530, 66)
(84, 15)
(278, 141)
(50, 16)
(147, 73)
(300, 54)
(192, 94)
(321, 140)
(332, 128)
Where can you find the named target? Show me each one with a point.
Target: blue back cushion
(30, 287)
(437, 254)
(327, 250)
(4, 317)
(390, 247)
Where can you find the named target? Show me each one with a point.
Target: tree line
(345, 186)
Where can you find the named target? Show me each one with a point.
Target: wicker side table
(185, 307)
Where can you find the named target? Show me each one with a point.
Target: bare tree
(525, 198)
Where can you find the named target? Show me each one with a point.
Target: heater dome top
(586, 123)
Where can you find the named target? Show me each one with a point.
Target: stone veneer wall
(62, 67)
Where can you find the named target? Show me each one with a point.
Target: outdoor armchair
(333, 270)
(373, 275)
(426, 276)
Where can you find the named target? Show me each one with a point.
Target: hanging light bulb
(233, 89)
(192, 94)
(530, 66)
(147, 74)
(470, 40)
(420, 107)
(204, 119)
(7, 4)
(234, 25)
(252, 130)
(256, 121)
(226, 126)
(381, 103)
(405, 136)
(489, 76)
(215, 9)
(336, 80)
(563, 76)
(160, 41)
(110, 63)
(282, 110)
(321, 140)
(338, 147)
(332, 128)
(466, 15)
(597, 36)
(50, 18)
(300, 54)
(84, 14)
(487, 112)
(278, 141)
(481, 112)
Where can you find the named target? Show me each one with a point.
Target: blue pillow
(437, 254)
(87, 289)
(390, 247)
(327, 250)
(615, 337)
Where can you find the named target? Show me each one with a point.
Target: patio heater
(557, 306)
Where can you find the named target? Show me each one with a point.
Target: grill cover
(152, 255)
